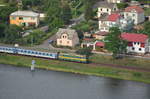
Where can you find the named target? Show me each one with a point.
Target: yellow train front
(73, 58)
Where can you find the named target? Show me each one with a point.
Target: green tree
(2, 29)
(12, 34)
(122, 5)
(5, 12)
(114, 43)
(84, 51)
(53, 11)
(66, 11)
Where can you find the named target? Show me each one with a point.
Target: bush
(122, 5)
(84, 51)
(137, 74)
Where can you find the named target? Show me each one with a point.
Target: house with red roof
(107, 21)
(137, 43)
(136, 13)
(95, 45)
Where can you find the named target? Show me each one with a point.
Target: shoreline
(77, 68)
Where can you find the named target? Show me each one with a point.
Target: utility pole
(20, 5)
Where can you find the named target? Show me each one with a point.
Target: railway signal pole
(32, 65)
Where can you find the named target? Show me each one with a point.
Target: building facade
(136, 13)
(115, 1)
(24, 18)
(67, 37)
(106, 8)
(137, 43)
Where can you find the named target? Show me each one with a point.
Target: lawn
(87, 69)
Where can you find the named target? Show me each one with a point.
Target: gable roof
(136, 8)
(101, 33)
(104, 4)
(25, 13)
(71, 33)
(134, 37)
(113, 17)
(100, 44)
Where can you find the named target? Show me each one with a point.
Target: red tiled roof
(87, 39)
(137, 8)
(101, 33)
(113, 17)
(101, 44)
(134, 37)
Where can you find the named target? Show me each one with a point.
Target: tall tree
(66, 11)
(114, 43)
(53, 10)
(12, 34)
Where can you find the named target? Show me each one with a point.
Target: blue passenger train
(59, 56)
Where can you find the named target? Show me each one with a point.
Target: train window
(43, 53)
(47, 54)
(39, 53)
(32, 52)
(28, 51)
(21, 51)
(36, 52)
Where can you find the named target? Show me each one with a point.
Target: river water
(21, 83)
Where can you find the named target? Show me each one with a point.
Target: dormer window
(64, 36)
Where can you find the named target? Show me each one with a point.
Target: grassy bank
(87, 69)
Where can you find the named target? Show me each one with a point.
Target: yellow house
(67, 37)
(24, 18)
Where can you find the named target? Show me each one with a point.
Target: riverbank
(87, 69)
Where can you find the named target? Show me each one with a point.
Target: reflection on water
(21, 83)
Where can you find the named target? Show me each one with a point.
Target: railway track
(98, 64)
(122, 67)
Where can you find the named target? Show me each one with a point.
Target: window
(20, 18)
(133, 15)
(134, 43)
(13, 18)
(60, 41)
(140, 49)
(101, 9)
(107, 10)
(133, 48)
(68, 42)
(32, 18)
(138, 43)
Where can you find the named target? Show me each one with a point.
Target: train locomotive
(49, 55)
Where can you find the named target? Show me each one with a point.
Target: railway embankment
(98, 69)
